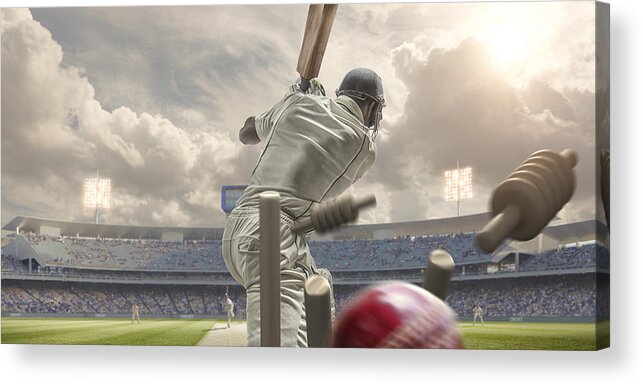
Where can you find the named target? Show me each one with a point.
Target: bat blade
(318, 26)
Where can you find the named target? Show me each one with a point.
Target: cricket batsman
(314, 148)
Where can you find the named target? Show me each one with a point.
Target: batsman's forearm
(248, 133)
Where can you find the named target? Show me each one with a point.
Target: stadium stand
(560, 296)
(408, 251)
(570, 257)
(111, 299)
(334, 255)
(10, 264)
(128, 254)
(72, 274)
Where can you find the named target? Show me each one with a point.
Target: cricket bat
(316, 34)
(318, 26)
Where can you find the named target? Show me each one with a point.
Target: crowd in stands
(569, 257)
(414, 251)
(9, 263)
(547, 296)
(337, 255)
(603, 295)
(602, 257)
(194, 255)
(564, 296)
(128, 253)
(410, 251)
(573, 296)
(115, 299)
(354, 262)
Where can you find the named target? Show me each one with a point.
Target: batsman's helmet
(364, 86)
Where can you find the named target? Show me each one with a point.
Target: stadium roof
(574, 232)
(566, 233)
(471, 223)
(111, 231)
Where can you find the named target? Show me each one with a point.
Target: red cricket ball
(396, 314)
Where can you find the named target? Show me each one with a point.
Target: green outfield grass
(539, 336)
(187, 332)
(105, 331)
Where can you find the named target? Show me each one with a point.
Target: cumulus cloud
(55, 133)
(187, 63)
(153, 97)
(461, 108)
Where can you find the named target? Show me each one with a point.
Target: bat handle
(303, 225)
(499, 228)
(303, 84)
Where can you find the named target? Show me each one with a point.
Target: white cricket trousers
(241, 255)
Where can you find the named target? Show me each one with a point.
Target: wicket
(318, 311)
(270, 277)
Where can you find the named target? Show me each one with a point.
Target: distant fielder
(229, 308)
(135, 315)
(477, 314)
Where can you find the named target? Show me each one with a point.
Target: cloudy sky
(153, 98)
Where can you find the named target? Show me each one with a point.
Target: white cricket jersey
(315, 148)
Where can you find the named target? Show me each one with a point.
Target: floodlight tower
(458, 185)
(97, 194)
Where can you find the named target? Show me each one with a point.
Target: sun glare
(508, 45)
